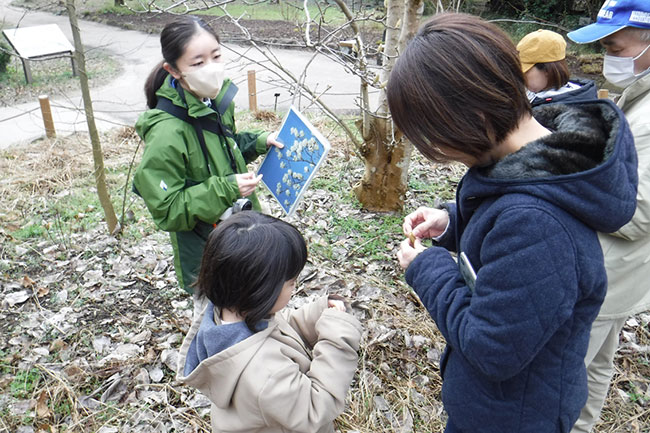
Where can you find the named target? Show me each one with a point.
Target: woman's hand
(247, 182)
(271, 140)
(425, 222)
(408, 252)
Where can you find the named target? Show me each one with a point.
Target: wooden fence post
(46, 111)
(252, 91)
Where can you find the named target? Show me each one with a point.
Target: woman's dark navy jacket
(516, 343)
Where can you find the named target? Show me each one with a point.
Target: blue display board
(288, 171)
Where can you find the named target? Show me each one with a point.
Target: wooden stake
(46, 111)
(603, 94)
(252, 91)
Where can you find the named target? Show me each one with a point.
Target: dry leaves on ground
(90, 324)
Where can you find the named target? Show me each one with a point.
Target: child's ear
(170, 69)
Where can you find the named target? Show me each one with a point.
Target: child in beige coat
(266, 372)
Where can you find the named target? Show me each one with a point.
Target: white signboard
(38, 41)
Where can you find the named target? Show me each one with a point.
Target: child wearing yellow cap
(543, 61)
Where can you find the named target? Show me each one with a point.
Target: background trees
(555, 10)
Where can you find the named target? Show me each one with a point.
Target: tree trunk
(384, 182)
(98, 156)
(385, 152)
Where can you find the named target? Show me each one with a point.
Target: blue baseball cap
(613, 16)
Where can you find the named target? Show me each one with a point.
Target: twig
(507, 20)
(69, 392)
(275, 62)
(126, 183)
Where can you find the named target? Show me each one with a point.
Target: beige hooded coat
(627, 251)
(292, 376)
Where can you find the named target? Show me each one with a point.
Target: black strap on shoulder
(176, 111)
(231, 91)
(204, 123)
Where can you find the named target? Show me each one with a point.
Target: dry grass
(44, 168)
(627, 408)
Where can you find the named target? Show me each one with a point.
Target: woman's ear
(170, 69)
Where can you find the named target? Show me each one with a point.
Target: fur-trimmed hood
(589, 159)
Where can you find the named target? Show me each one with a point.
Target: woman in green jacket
(194, 165)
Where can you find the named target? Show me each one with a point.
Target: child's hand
(336, 304)
(271, 141)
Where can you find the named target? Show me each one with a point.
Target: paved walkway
(119, 102)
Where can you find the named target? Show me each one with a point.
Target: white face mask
(205, 82)
(620, 70)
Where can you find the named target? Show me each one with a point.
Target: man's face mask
(620, 70)
(205, 82)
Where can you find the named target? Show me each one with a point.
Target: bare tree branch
(307, 23)
(506, 20)
(153, 7)
(289, 77)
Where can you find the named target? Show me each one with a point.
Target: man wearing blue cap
(623, 28)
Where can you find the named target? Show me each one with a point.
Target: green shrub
(5, 57)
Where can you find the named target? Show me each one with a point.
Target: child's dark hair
(457, 86)
(246, 261)
(173, 40)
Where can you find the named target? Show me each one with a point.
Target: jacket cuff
(343, 318)
(232, 180)
(448, 237)
(260, 145)
(416, 264)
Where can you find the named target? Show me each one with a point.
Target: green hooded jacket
(173, 178)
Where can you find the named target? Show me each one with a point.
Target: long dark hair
(457, 86)
(246, 261)
(173, 40)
